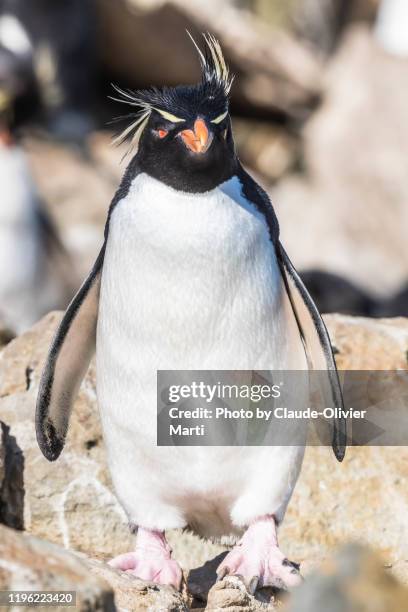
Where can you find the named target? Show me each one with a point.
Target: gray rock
(353, 580)
(202, 579)
(30, 564)
(231, 594)
(138, 595)
(69, 502)
(11, 480)
(275, 70)
(341, 215)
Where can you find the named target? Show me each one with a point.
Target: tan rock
(369, 344)
(364, 497)
(323, 22)
(30, 564)
(78, 191)
(353, 579)
(69, 502)
(264, 148)
(231, 594)
(138, 595)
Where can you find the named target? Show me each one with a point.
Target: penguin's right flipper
(67, 362)
(317, 346)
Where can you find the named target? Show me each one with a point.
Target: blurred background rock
(320, 116)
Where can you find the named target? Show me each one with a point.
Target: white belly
(189, 282)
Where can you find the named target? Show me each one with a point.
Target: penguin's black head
(185, 137)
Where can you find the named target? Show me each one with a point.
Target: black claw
(222, 573)
(253, 584)
(277, 583)
(295, 566)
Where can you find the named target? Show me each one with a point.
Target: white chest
(191, 281)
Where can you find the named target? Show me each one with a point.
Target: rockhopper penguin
(191, 275)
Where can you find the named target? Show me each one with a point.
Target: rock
(231, 594)
(369, 344)
(201, 579)
(11, 480)
(138, 595)
(27, 563)
(363, 10)
(274, 71)
(326, 509)
(380, 348)
(353, 579)
(265, 148)
(323, 22)
(341, 217)
(69, 502)
(77, 191)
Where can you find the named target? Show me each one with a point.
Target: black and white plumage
(191, 275)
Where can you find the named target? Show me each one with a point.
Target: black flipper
(67, 363)
(317, 344)
(311, 326)
(73, 347)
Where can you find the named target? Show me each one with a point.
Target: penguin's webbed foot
(151, 560)
(258, 561)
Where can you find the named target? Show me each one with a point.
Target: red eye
(162, 133)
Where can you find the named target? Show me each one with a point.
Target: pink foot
(151, 560)
(258, 560)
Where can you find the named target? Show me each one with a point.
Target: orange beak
(199, 140)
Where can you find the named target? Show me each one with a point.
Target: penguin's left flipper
(67, 362)
(317, 345)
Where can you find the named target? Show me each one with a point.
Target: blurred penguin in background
(35, 272)
(55, 42)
